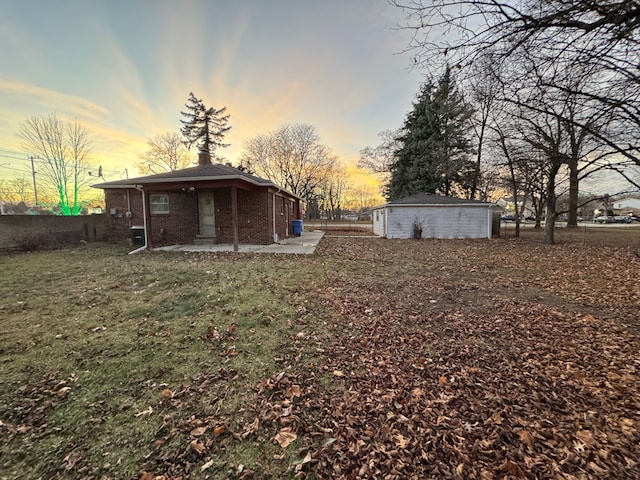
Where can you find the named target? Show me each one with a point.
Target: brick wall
(284, 215)
(253, 217)
(179, 226)
(117, 205)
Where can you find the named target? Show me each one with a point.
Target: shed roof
(430, 199)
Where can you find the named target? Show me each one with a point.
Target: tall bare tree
(15, 190)
(599, 34)
(485, 92)
(331, 191)
(291, 156)
(166, 153)
(379, 159)
(361, 196)
(63, 149)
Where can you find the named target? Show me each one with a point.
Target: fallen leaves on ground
(443, 376)
(426, 359)
(285, 436)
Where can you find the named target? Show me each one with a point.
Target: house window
(159, 203)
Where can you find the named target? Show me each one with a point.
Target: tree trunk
(476, 173)
(550, 201)
(572, 220)
(514, 193)
(549, 226)
(539, 208)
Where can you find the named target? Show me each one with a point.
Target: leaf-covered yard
(371, 359)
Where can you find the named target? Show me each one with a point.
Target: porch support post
(234, 217)
(147, 214)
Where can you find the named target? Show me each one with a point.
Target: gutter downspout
(144, 220)
(275, 234)
(129, 207)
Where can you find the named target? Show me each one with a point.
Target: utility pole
(1, 197)
(33, 175)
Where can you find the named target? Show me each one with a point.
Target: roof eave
(119, 185)
(134, 185)
(435, 205)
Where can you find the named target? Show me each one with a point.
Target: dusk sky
(124, 69)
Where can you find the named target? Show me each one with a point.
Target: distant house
(433, 216)
(626, 206)
(208, 203)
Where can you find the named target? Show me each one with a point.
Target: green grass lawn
(91, 337)
(247, 366)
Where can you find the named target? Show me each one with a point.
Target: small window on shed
(377, 215)
(159, 203)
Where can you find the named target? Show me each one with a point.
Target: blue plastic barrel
(296, 227)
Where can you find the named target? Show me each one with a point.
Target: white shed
(424, 215)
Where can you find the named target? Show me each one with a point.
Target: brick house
(208, 203)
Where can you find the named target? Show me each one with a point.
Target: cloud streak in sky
(126, 69)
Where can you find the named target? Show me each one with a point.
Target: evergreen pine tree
(435, 146)
(204, 127)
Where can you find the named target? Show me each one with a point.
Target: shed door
(207, 214)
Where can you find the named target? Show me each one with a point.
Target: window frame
(153, 205)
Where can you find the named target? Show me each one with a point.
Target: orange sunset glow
(124, 71)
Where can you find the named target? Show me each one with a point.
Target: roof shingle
(200, 172)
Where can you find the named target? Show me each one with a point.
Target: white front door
(206, 214)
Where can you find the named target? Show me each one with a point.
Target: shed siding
(438, 222)
(378, 221)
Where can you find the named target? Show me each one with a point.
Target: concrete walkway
(302, 245)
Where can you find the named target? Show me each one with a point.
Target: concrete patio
(302, 245)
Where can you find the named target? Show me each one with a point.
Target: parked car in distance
(603, 219)
(508, 218)
(622, 219)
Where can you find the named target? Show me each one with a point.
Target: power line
(37, 159)
(13, 169)
(33, 175)
(9, 156)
